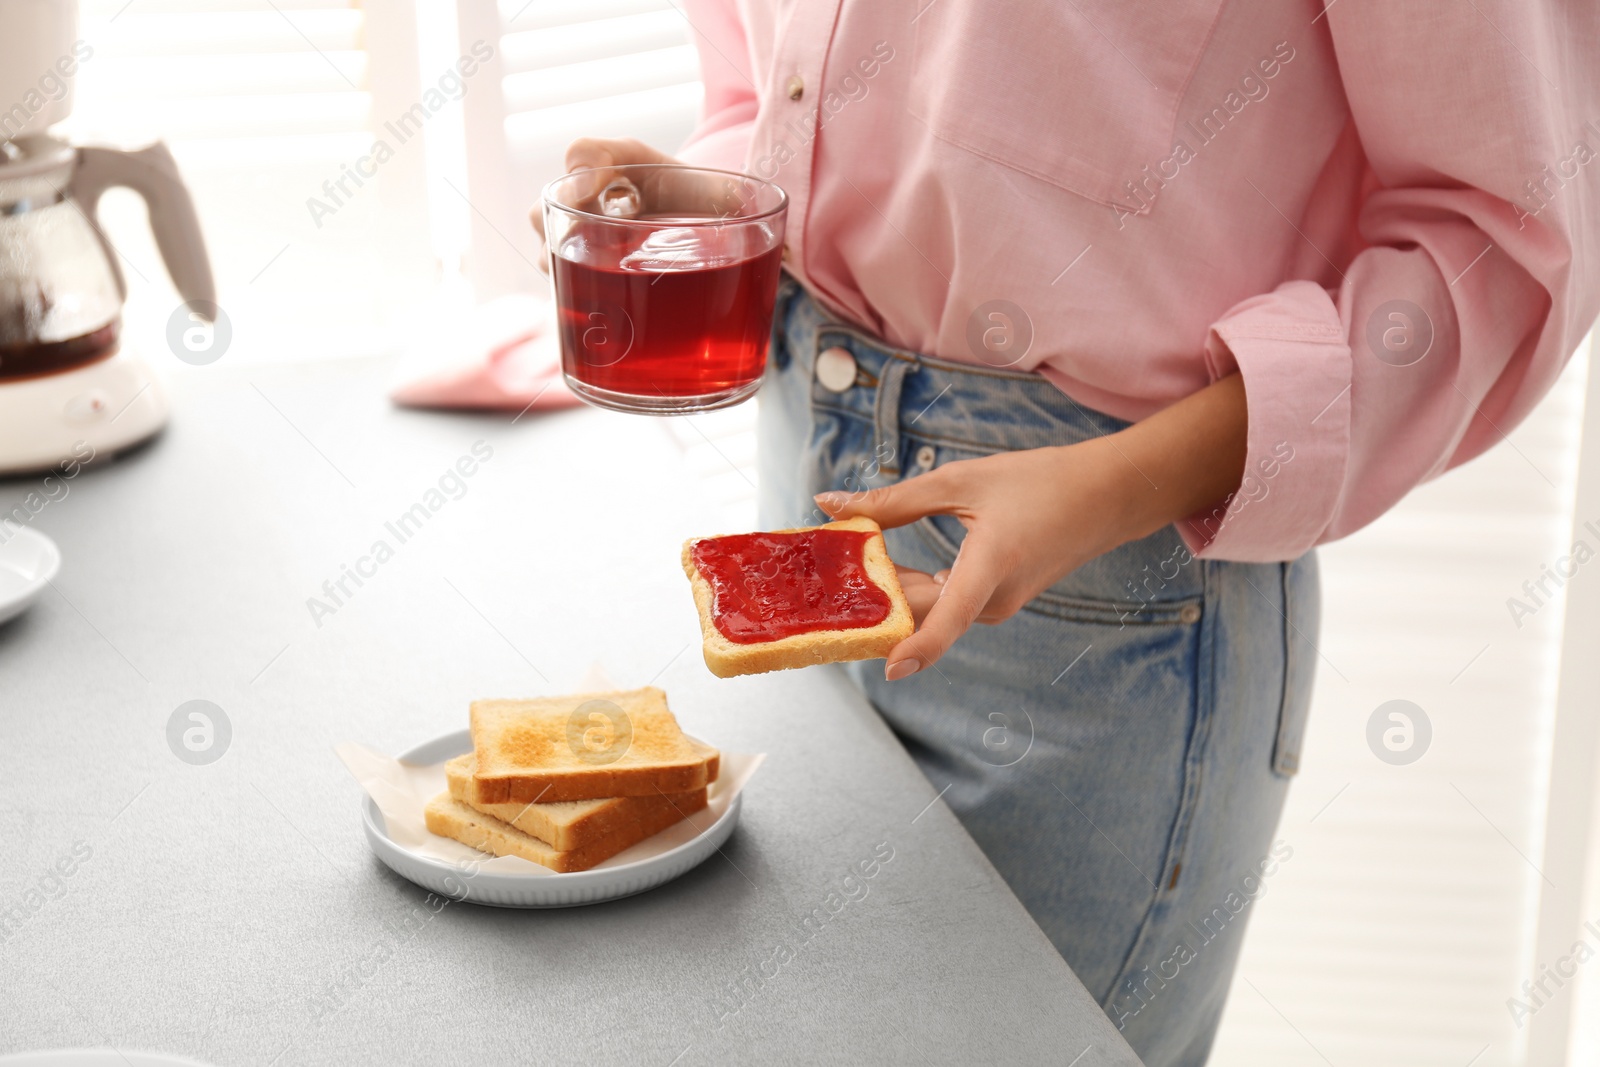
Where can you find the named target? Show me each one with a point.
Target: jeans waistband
(965, 405)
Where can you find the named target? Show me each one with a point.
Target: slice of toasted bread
(448, 817)
(565, 824)
(728, 658)
(585, 747)
(713, 758)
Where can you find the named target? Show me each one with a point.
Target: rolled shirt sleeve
(722, 137)
(1474, 283)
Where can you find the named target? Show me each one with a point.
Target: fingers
(536, 216)
(895, 505)
(975, 575)
(921, 590)
(582, 154)
(589, 152)
(610, 152)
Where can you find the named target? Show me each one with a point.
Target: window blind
(269, 107)
(1406, 918)
(564, 70)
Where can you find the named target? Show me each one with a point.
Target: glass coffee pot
(67, 383)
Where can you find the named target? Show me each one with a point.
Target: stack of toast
(568, 782)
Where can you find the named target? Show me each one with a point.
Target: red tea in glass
(665, 281)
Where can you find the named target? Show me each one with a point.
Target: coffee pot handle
(153, 174)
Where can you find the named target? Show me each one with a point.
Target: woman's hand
(590, 152)
(1031, 517)
(1034, 516)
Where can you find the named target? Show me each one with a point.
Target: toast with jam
(794, 598)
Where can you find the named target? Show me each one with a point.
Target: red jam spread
(770, 585)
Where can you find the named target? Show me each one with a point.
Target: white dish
(535, 889)
(28, 560)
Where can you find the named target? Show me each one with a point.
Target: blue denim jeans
(1120, 748)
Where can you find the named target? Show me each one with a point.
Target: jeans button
(925, 457)
(836, 369)
(1189, 613)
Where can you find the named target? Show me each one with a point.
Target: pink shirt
(1384, 216)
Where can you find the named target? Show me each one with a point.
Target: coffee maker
(72, 384)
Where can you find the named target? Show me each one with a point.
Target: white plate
(534, 889)
(28, 560)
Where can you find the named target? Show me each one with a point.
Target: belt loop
(888, 414)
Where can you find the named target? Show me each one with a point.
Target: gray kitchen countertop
(232, 912)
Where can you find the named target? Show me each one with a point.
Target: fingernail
(903, 668)
(941, 577)
(829, 501)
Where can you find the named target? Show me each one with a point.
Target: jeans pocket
(1301, 611)
(1072, 598)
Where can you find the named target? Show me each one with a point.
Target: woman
(1112, 318)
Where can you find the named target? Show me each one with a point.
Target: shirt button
(836, 369)
(1189, 613)
(925, 457)
(797, 88)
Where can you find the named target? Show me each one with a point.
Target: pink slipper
(510, 361)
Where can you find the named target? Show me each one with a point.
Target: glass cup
(665, 278)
